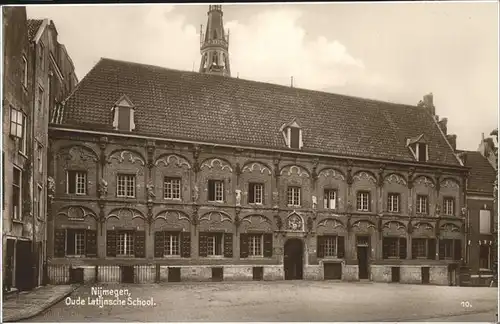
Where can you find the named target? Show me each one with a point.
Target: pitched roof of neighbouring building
(210, 108)
(482, 174)
(33, 26)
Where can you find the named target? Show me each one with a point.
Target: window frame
(398, 247)
(253, 186)
(215, 183)
(18, 125)
(39, 201)
(359, 199)
(418, 206)
(17, 214)
(128, 243)
(255, 242)
(76, 174)
(488, 258)
(170, 236)
(126, 184)
(327, 200)
(40, 157)
(329, 246)
(168, 193)
(294, 192)
(40, 101)
(418, 152)
(390, 202)
(75, 231)
(426, 247)
(445, 207)
(216, 246)
(25, 71)
(41, 56)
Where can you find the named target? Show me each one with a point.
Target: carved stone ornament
(279, 222)
(310, 224)
(314, 202)
(438, 209)
(151, 191)
(238, 197)
(295, 223)
(196, 193)
(103, 188)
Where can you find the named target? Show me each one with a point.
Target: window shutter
(59, 243)
(91, 243)
(186, 244)
(321, 247)
(251, 198)
(159, 244)
(402, 248)
(228, 245)
(71, 182)
(294, 134)
(243, 246)
(414, 248)
(111, 243)
(441, 249)
(432, 249)
(211, 190)
(385, 248)
(340, 247)
(124, 118)
(268, 245)
(202, 248)
(70, 239)
(457, 255)
(140, 244)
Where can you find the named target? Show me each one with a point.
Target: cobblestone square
(279, 301)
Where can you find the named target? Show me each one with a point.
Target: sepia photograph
(250, 162)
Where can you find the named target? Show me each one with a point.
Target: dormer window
(292, 134)
(123, 114)
(419, 148)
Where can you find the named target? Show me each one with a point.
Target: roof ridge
(268, 83)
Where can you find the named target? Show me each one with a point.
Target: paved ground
(18, 306)
(288, 301)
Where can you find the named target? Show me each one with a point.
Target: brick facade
(100, 210)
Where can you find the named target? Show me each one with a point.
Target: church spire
(214, 44)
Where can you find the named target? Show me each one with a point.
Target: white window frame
(40, 101)
(40, 201)
(449, 206)
(330, 245)
(482, 212)
(256, 245)
(25, 74)
(40, 157)
(364, 198)
(172, 250)
(17, 123)
(327, 199)
(419, 206)
(212, 244)
(218, 191)
(258, 193)
(417, 151)
(79, 238)
(125, 243)
(17, 214)
(128, 182)
(80, 183)
(172, 188)
(293, 196)
(393, 201)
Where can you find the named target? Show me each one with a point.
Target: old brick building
(210, 176)
(38, 74)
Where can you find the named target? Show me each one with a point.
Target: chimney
(291, 81)
(452, 139)
(428, 103)
(443, 124)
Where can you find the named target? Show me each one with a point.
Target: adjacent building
(212, 177)
(38, 74)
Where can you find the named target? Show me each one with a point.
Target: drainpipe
(33, 189)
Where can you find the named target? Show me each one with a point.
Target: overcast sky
(388, 51)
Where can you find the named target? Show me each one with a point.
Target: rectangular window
(255, 243)
(330, 246)
(172, 188)
(75, 242)
(394, 248)
(256, 193)
(419, 248)
(393, 245)
(76, 183)
(294, 137)
(421, 207)
(41, 56)
(393, 202)
(24, 139)
(216, 190)
(39, 202)
(484, 257)
(125, 186)
(449, 206)
(330, 199)
(125, 246)
(362, 201)
(40, 99)
(124, 116)
(215, 244)
(16, 123)
(25, 71)
(172, 244)
(16, 193)
(422, 152)
(446, 249)
(294, 196)
(484, 222)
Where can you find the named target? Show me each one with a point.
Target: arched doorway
(293, 259)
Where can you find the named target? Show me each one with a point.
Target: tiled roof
(482, 174)
(211, 108)
(33, 26)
